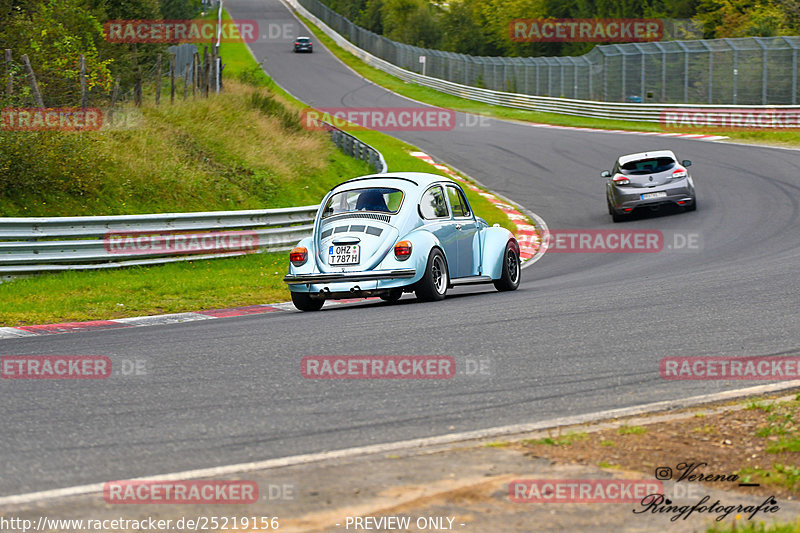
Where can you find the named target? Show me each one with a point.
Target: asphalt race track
(585, 332)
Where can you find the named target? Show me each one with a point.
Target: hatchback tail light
(299, 255)
(619, 179)
(402, 250)
(680, 173)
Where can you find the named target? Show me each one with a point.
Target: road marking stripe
(507, 431)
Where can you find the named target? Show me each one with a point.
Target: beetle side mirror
(686, 163)
(605, 174)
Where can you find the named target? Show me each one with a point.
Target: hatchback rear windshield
(380, 199)
(303, 39)
(648, 166)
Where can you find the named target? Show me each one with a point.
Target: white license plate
(344, 254)
(648, 195)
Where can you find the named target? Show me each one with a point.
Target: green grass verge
(433, 97)
(559, 440)
(239, 62)
(135, 291)
(760, 527)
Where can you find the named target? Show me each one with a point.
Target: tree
(179, 9)
(54, 34)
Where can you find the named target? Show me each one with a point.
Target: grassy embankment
(243, 149)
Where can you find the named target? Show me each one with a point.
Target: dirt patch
(757, 444)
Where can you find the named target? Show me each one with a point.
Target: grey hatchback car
(648, 180)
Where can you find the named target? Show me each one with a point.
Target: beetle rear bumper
(335, 277)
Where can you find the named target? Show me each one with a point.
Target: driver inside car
(371, 200)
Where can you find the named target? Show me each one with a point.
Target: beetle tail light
(298, 255)
(402, 250)
(619, 179)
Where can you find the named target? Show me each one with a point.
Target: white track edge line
(35, 497)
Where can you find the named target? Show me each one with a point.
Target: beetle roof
(406, 181)
(646, 155)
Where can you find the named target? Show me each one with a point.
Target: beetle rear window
(376, 199)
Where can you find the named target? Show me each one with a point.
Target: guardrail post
(113, 100)
(84, 95)
(158, 79)
(32, 80)
(172, 60)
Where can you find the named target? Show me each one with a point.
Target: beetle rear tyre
(304, 302)
(433, 285)
(509, 277)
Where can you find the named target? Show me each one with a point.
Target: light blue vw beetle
(386, 234)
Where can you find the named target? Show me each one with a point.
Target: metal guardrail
(638, 112)
(51, 244)
(355, 148)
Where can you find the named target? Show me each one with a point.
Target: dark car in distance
(303, 44)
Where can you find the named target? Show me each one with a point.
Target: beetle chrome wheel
(510, 269)
(512, 266)
(439, 274)
(434, 283)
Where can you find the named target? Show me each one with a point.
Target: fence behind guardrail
(743, 71)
